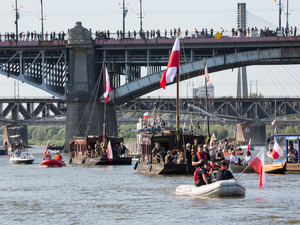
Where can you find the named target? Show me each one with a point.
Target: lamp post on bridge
(16, 22)
(42, 20)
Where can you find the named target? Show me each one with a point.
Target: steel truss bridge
(52, 111)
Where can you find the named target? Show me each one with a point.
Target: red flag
(258, 164)
(248, 148)
(273, 123)
(145, 115)
(173, 65)
(109, 152)
(277, 151)
(107, 86)
(206, 74)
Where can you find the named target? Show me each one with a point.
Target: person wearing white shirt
(248, 158)
(234, 159)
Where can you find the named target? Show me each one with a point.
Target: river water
(31, 194)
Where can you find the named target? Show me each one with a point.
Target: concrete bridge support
(82, 118)
(255, 131)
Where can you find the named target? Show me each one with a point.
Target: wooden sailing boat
(169, 139)
(79, 154)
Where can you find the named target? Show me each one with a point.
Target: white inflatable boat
(219, 188)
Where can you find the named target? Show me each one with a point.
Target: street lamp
(42, 19)
(16, 22)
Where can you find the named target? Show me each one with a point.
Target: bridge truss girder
(243, 110)
(42, 68)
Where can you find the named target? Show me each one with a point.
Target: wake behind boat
(216, 189)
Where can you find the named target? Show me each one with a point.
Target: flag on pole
(206, 73)
(173, 65)
(277, 151)
(273, 123)
(109, 152)
(248, 148)
(258, 164)
(107, 86)
(146, 115)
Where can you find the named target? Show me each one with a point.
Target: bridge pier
(81, 117)
(255, 131)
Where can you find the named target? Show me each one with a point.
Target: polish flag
(277, 151)
(47, 145)
(258, 164)
(248, 148)
(206, 74)
(173, 65)
(146, 115)
(273, 123)
(109, 152)
(107, 86)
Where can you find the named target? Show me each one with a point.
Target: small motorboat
(237, 152)
(52, 163)
(216, 189)
(245, 147)
(23, 158)
(240, 168)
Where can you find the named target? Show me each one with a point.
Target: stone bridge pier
(254, 131)
(83, 76)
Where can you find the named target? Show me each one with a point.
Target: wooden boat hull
(162, 168)
(238, 169)
(216, 189)
(52, 163)
(101, 161)
(276, 168)
(239, 152)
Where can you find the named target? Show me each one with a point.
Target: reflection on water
(118, 195)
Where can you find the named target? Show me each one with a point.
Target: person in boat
(158, 153)
(212, 150)
(226, 145)
(169, 157)
(98, 149)
(180, 158)
(248, 158)
(223, 173)
(122, 150)
(291, 156)
(213, 169)
(220, 155)
(194, 147)
(48, 156)
(202, 176)
(200, 157)
(58, 156)
(18, 153)
(188, 153)
(89, 151)
(234, 159)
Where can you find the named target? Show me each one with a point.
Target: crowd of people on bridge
(155, 34)
(33, 36)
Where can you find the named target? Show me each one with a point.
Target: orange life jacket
(199, 156)
(58, 157)
(197, 177)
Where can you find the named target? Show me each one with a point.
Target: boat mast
(104, 122)
(275, 117)
(177, 103)
(207, 118)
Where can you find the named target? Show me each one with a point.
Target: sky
(61, 15)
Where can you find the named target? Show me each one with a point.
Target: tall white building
(200, 91)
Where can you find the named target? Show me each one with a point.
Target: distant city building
(200, 91)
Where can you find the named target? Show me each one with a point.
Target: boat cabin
(167, 140)
(78, 145)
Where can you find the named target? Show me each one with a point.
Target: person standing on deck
(122, 150)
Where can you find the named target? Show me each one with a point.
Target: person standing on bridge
(166, 33)
(295, 31)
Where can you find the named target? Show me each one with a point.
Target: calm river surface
(118, 195)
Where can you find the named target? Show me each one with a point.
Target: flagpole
(242, 172)
(104, 123)
(177, 107)
(207, 118)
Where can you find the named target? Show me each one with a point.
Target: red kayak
(52, 163)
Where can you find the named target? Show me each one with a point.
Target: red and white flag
(109, 152)
(273, 123)
(107, 86)
(146, 116)
(248, 148)
(277, 151)
(206, 74)
(258, 164)
(173, 65)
